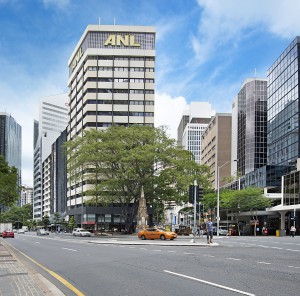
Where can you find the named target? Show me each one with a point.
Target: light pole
(218, 193)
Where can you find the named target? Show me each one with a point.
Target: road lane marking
(236, 259)
(188, 253)
(210, 283)
(37, 242)
(156, 250)
(143, 249)
(54, 274)
(262, 262)
(208, 256)
(171, 251)
(293, 250)
(294, 267)
(69, 249)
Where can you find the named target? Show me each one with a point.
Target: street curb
(47, 287)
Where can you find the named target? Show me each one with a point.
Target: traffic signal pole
(195, 209)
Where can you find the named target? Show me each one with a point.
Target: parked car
(8, 233)
(81, 232)
(42, 231)
(223, 230)
(21, 231)
(156, 233)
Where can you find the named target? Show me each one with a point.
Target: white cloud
(168, 112)
(224, 22)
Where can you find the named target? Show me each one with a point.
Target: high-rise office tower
(11, 143)
(249, 126)
(111, 81)
(283, 107)
(53, 120)
(192, 125)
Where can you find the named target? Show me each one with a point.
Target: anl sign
(117, 40)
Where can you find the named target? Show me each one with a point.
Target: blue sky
(205, 49)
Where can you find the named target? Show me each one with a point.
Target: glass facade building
(283, 107)
(252, 126)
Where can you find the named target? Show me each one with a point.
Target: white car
(81, 232)
(223, 230)
(21, 231)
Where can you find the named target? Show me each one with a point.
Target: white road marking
(261, 262)
(210, 283)
(208, 256)
(131, 247)
(69, 249)
(37, 242)
(143, 249)
(234, 259)
(293, 250)
(188, 253)
(156, 250)
(293, 266)
(171, 251)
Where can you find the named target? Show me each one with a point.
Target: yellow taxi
(156, 233)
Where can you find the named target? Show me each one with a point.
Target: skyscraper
(10, 140)
(249, 126)
(53, 120)
(111, 82)
(11, 143)
(283, 107)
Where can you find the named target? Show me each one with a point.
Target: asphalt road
(238, 266)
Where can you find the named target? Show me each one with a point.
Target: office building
(249, 126)
(216, 147)
(53, 120)
(11, 143)
(111, 81)
(192, 126)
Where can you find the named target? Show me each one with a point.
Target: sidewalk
(17, 278)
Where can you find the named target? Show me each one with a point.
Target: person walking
(292, 230)
(209, 231)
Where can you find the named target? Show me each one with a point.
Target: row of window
(127, 69)
(119, 102)
(119, 91)
(131, 80)
(120, 113)
(110, 58)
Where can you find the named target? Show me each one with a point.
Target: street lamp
(218, 193)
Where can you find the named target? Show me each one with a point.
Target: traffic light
(200, 193)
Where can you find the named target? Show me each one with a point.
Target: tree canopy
(9, 189)
(119, 161)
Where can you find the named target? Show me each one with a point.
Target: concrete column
(282, 219)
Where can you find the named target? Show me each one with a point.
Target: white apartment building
(111, 81)
(53, 119)
(196, 118)
(26, 195)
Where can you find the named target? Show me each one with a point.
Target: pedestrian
(209, 231)
(201, 231)
(292, 230)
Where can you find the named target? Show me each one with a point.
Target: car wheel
(162, 237)
(80, 234)
(171, 238)
(143, 237)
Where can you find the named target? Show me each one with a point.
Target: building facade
(250, 126)
(111, 82)
(193, 123)
(53, 120)
(26, 195)
(216, 147)
(11, 144)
